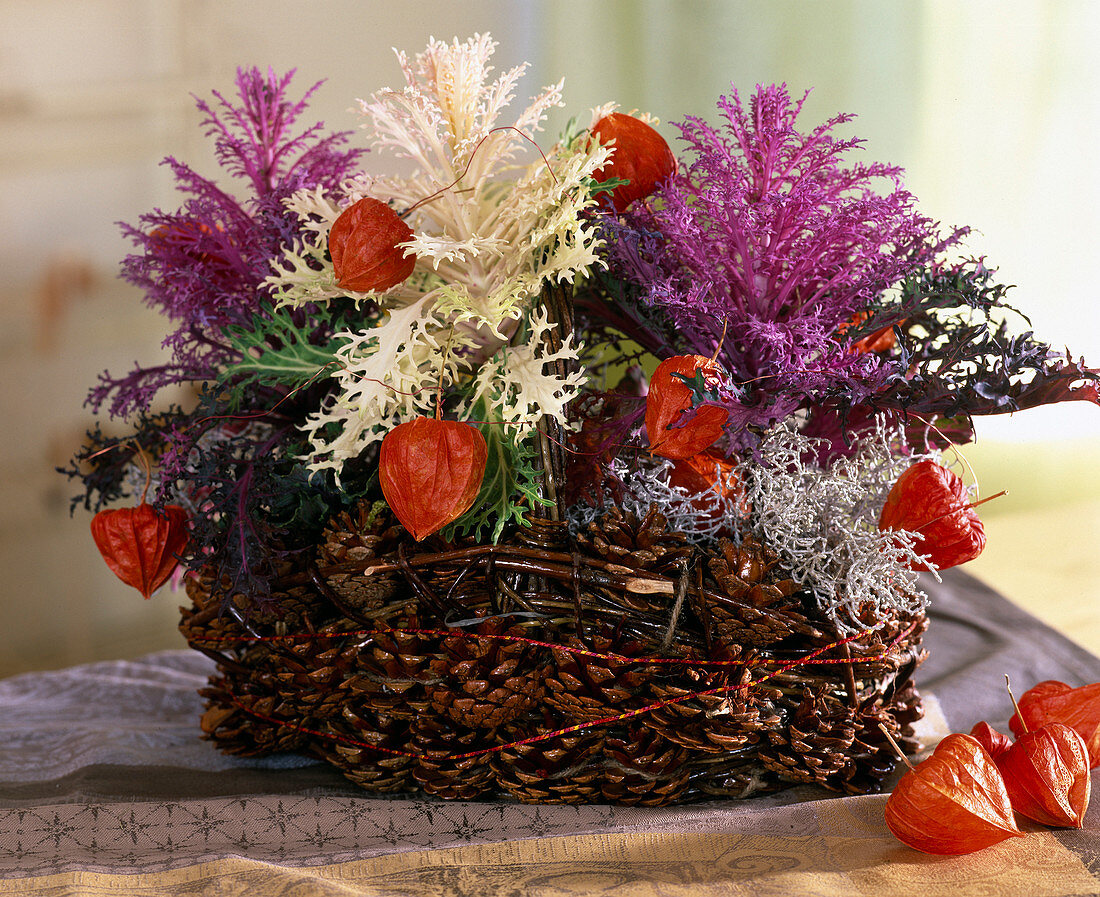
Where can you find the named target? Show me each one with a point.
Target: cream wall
(991, 106)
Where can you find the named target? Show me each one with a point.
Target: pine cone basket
(589, 474)
(621, 665)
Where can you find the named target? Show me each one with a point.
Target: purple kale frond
(201, 265)
(106, 465)
(204, 265)
(134, 392)
(252, 505)
(768, 243)
(779, 237)
(957, 357)
(254, 139)
(617, 303)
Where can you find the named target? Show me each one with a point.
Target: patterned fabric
(106, 787)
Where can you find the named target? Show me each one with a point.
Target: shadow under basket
(618, 665)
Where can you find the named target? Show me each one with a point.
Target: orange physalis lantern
(141, 545)
(954, 802)
(932, 502)
(1056, 702)
(640, 155)
(995, 743)
(431, 472)
(669, 397)
(881, 340)
(365, 245)
(1047, 775)
(702, 472)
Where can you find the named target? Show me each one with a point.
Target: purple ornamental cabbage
(203, 265)
(770, 236)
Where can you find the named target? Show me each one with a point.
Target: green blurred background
(991, 107)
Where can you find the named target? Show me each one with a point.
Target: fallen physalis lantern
(641, 156)
(932, 502)
(431, 471)
(365, 245)
(952, 803)
(669, 397)
(141, 545)
(1056, 702)
(995, 743)
(1046, 772)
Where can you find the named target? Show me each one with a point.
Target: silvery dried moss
(644, 483)
(822, 520)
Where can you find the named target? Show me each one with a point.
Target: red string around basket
(571, 649)
(610, 720)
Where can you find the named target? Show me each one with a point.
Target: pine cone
(239, 718)
(646, 544)
(311, 668)
(871, 757)
(642, 768)
(561, 770)
(812, 747)
(356, 536)
(225, 623)
(896, 643)
(756, 606)
(392, 674)
(369, 748)
(245, 696)
(483, 683)
(586, 688)
(441, 770)
(719, 723)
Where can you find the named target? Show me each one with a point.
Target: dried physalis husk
(365, 246)
(995, 743)
(431, 471)
(932, 502)
(669, 397)
(640, 156)
(141, 545)
(1055, 702)
(1046, 773)
(954, 802)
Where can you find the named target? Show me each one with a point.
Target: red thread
(630, 714)
(583, 652)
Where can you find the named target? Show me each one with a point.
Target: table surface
(106, 787)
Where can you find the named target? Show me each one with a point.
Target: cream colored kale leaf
(493, 219)
(387, 374)
(492, 230)
(517, 387)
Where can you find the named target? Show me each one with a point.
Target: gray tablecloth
(106, 786)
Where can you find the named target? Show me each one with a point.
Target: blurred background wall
(992, 107)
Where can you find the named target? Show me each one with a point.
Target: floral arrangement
(760, 337)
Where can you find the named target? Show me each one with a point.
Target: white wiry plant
(488, 233)
(646, 483)
(823, 522)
